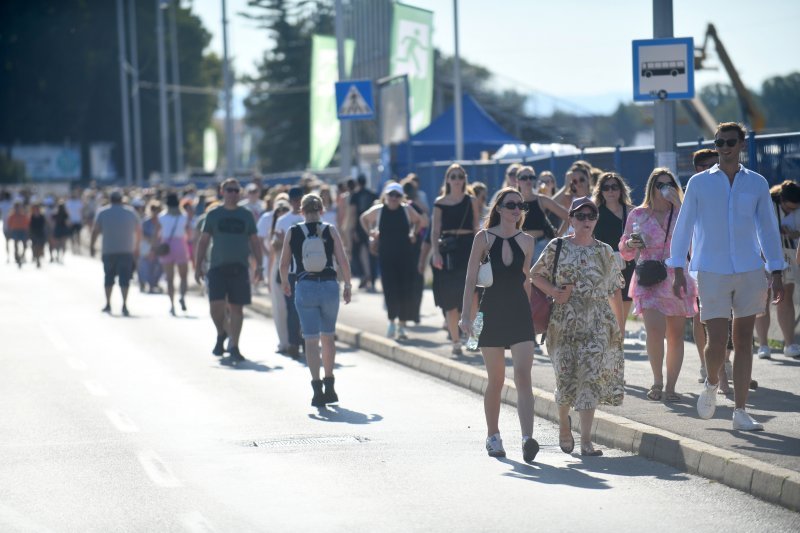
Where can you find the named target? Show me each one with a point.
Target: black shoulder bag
(651, 271)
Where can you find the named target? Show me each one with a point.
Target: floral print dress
(583, 338)
(660, 296)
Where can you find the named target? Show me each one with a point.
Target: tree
(61, 78)
(780, 97)
(278, 99)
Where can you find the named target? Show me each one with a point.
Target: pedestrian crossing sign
(354, 100)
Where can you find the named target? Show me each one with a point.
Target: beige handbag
(485, 276)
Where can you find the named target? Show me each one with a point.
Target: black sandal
(591, 451)
(570, 442)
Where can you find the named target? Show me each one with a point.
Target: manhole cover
(303, 441)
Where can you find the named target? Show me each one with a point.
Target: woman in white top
(173, 231)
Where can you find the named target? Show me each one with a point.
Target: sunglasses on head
(610, 187)
(522, 206)
(585, 216)
(661, 184)
(525, 177)
(231, 189)
(719, 143)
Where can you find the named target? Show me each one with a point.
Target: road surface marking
(121, 421)
(94, 388)
(195, 522)
(59, 343)
(157, 470)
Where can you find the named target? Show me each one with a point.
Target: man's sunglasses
(231, 189)
(525, 177)
(610, 187)
(522, 206)
(585, 216)
(719, 143)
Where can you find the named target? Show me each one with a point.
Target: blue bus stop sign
(663, 69)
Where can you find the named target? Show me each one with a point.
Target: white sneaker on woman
(793, 350)
(764, 352)
(494, 446)
(707, 401)
(744, 422)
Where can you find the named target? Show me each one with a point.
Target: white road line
(195, 522)
(59, 343)
(95, 388)
(121, 421)
(157, 470)
(77, 364)
(12, 520)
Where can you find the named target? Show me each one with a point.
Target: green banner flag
(324, 128)
(412, 54)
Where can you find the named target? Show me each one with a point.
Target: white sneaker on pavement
(392, 330)
(494, 446)
(765, 353)
(401, 333)
(744, 422)
(793, 350)
(707, 401)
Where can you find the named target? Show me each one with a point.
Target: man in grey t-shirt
(122, 231)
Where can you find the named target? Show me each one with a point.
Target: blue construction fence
(776, 157)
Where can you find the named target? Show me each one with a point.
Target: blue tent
(437, 141)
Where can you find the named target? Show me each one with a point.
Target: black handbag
(652, 271)
(163, 248)
(449, 243)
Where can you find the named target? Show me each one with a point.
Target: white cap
(393, 187)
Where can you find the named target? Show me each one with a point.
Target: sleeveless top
(394, 228)
(506, 275)
(609, 228)
(458, 216)
(296, 238)
(535, 219)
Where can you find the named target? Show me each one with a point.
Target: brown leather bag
(541, 304)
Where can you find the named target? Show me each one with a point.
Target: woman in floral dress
(584, 338)
(664, 314)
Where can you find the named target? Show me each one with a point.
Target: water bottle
(477, 327)
(636, 233)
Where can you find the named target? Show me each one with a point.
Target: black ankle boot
(319, 397)
(330, 394)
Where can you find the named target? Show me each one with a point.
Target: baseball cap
(393, 187)
(577, 203)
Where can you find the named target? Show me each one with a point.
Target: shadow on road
(629, 466)
(543, 473)
(763, 441)
(336, 413)
(247, 365)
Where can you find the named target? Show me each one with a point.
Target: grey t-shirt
(118, 224)
(230, 230)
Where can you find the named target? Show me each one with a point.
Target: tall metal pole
(162, 91)
(459, 126)
(176, 93)
(226, 74)
(123, 86)
(137, 115)
(345, 146)
(664, 112)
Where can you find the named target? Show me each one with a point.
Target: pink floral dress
(660, 296)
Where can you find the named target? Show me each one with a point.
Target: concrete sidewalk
(766, 464)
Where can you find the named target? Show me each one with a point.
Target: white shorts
(744, 293)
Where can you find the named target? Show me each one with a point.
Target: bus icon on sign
(663, 68)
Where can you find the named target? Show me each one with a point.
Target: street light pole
(226, 75)
(137, 115)
(123, 85)
(459, 125)
(176, 93)
(664, 111)
(162, 91)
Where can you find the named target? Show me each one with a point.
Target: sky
(574, 55)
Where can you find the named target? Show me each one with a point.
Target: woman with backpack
(312, 245)
(392, 226)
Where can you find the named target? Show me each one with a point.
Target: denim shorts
(317, 304)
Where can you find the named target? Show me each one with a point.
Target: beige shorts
(790, 274)
(744, 293)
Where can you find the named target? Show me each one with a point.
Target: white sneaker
(494, 446)
(793, 350)
(744, 422)
(392, 330)
(764, 351)
(707, 401)
(401, 333)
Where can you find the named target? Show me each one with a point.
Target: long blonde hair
(651, 185)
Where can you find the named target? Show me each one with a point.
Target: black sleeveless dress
(506, 310)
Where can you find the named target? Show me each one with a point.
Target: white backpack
(313, 251)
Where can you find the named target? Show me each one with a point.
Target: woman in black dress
(61, 231)
(536, 223)
(506, 313)
(613, 198)
(456, 218)
(38, 233)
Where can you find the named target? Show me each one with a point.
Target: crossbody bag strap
(555, 261)
(669, 223)
(174, 227)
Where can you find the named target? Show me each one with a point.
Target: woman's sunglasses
(525, 177)
(522, 206)
(585, 216)
(579, 180)
(660, 185)
(458, 176)
(610, 187)
(719, 143)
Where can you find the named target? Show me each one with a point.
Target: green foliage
(11, 171)
(780, 99)
(60, 76)
(278, 102)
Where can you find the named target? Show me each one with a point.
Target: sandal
(672, 397)
(591, 451)
(567, 445)
(654, 393)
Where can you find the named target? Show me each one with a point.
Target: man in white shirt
(281, 230)
(728, 211)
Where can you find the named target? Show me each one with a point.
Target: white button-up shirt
(731, 224)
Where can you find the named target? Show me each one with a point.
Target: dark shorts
(229, 282)
(118, 265)
(76, 227)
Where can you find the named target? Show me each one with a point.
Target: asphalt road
(130, 424)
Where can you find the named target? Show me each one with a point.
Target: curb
(774, 484)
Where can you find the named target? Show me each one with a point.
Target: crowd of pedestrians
(585, 246)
